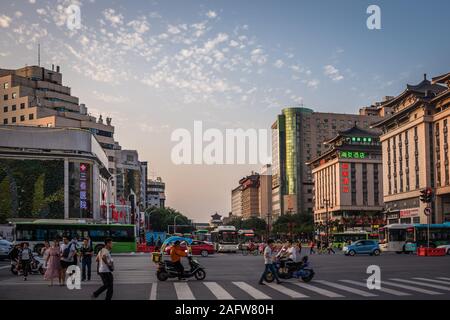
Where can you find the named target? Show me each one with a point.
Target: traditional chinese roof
(352, 132)
(216, 216)
(441, 79)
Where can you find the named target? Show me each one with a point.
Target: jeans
(108, 280)
(179, 267)
(269, 268)
(25, 267)
(86, 266)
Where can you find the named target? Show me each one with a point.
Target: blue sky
(156, 66)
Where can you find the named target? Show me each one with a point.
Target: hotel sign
(352, 155)
(345, 177)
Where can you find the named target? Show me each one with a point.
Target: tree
(162, 218)
(294, 223)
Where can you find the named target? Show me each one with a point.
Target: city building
(416, 152)
(144, 178)
(156, 193)
(236, 201)
(265, 193)
(250, 196)
(228, 219)
(216, 220)
(297, 137)
(52, 173)
(348, 181)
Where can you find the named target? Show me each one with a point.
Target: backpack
(66, 251)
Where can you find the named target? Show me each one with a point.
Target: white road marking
(218, 291)
(153, 291)
(345, 288)
(255, 293)
(318, 290)
(443, 278)
(393, 284)
(5, 267)
(434, 286)
(383, 289)
(284, 290)
(183, 291)
(432, 280)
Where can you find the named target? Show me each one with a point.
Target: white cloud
(109, 98)
(258, 56)
(5, 21)
(140, 26)
(4, 54)
(41, 11)
(18, 14)
(279, 64)
(173, 29)
(114, 18)
(211, 14)
(32, 1)
(332, 73)
(314, 83)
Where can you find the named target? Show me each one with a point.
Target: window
(30, 116)
(22, 106)
(5, 121)
(5, 109)
(22, 118)
(13, 120)
(13, 108)
(6, 85)
(14, 95)
(5, 97)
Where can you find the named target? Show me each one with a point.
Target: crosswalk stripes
(383, 289)
(219, 292)
(154, 290)
(443, 278)
(393, 284)
(284, 290)
(432, 280)
(183, 291)
(255, 293)
(434, 286)
(345, 288)
(318, 290)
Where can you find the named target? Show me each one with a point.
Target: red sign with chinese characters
(345, 180)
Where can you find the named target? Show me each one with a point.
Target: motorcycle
(167, 270)
(298, 270)
(36, 266)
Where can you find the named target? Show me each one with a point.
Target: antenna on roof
(424, 76)
(39, 54)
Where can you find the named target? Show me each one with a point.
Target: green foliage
(295, 223)
(161, 218)
(254, 223)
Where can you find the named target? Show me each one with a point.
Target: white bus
(225, 239)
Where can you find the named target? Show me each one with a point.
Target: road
(233, 276)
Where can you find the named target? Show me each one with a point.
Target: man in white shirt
(268, 262)
(105, 269)
(68, 251)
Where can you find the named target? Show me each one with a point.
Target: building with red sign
(348, 180)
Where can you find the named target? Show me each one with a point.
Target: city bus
(202, 235)
(406, 238)
(35, 233)
(225, 239)
(245, 236)
(340, 239)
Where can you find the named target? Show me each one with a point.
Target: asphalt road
(233, 276)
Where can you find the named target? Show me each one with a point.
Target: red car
(198, 248)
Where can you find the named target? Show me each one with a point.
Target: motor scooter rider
(176, 253)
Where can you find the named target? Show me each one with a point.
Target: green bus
(35, 233)
(340, 239)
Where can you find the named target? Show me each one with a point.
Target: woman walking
(53, 263)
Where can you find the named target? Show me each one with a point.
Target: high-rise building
(265, 193)
(156, 193)
(415, 147)
(348, 181)
(250, 196)
(297, 137)
(236, 201)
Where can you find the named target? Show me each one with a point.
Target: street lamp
(174, 223)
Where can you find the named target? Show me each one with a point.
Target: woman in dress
(53, 263)
(44, 252)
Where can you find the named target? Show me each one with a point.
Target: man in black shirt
(86, 259)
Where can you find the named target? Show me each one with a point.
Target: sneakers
(261, 283)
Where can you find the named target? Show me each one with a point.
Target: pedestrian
(67, 251)
(268, 263)
(53, 263)
(86, 253)
(330, 248)
(299, 248)
(311, 247)
(25, 256)
(105, 268)
(44, 253)
(319, 247)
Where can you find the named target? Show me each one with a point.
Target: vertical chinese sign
(345, 177)
(84, 185)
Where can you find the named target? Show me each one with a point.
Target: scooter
(167, 270)
(298, 270)
(36, 266)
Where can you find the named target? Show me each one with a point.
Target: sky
(158, 66)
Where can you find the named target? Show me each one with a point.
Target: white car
(447, 248)
(5, 248)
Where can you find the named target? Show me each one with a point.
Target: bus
(35, 233)
(406, 238)
(225, 239)
(202, 235)
(340, 239)
(245, 236)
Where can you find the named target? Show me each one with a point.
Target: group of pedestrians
(322, 247)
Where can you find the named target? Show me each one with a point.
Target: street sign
(427, 211)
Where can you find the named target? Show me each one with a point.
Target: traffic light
(426, 195)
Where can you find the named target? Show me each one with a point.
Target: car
(5, 248)
(202, 248)
(362, 247)
(447, 248)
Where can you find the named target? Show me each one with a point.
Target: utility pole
(326, 201)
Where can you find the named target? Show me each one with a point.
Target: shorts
(65, 264)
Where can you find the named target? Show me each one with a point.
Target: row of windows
(13, 107)
(21, 118)
(13, 96)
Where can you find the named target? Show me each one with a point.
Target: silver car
(5, 248)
